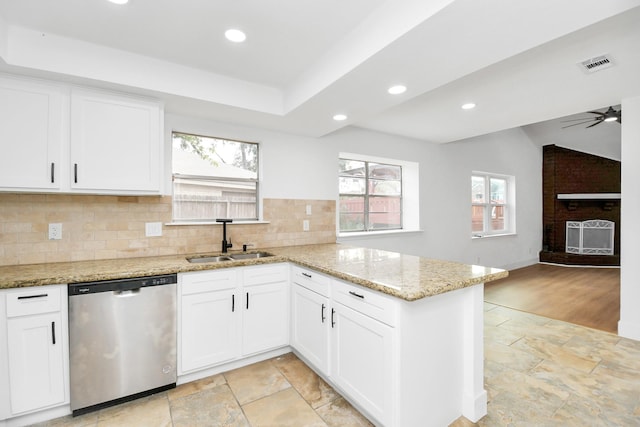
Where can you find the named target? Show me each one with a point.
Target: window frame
(216, 179)
(410, 202)
(488, 205)
(368, 195)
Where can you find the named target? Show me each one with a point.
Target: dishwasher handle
(125, 293)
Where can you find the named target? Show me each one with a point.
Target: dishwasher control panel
(121, 284)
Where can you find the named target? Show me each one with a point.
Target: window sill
(214, 223)
(361, 234)
(486, 236)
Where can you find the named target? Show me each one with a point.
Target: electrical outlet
(55, 231)
(153, 229)
(308, 209)
(305, 225)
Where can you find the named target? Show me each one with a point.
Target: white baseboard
(520, 264)
(629, 330)
(475, 407)
(235, 364)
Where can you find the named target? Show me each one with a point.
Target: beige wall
(104, 227)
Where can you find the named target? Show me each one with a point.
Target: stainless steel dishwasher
(122, 340)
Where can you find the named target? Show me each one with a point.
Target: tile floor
(538, 372)
(279, 392)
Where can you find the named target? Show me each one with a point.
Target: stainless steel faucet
(225, 245)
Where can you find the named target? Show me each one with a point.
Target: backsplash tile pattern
(107, 227)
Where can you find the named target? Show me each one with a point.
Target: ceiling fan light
(611, 119)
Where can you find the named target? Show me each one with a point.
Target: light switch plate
(55, 231)
(308, 209)
(153, 229)
(305, 225)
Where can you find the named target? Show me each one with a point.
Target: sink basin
(252, 255)
(210, 259)
(230, 257)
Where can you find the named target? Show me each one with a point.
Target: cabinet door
(209, 331)
(265, 318)
(115, 143)
(310, 326)
(36, 363)
(31, 134)
(362, 364)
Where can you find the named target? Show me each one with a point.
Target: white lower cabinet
(362, 361)
(230, 313)
(208, 323)
(265, 317)
(347, 333)
(35, 323)
(310, 326)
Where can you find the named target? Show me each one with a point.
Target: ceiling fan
(610, 115)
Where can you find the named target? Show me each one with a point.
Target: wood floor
(581, 295)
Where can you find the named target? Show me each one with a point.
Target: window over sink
(214, 178)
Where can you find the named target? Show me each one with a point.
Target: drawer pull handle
(53, 332)
(247, 300)
(356, 294)
(233, 303)
(33, 296)
(333, 321)
(75, 173)
(306, 275)
(53, 175)
(322, 313)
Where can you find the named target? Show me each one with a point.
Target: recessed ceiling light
(119, 1)
(468, 106)
(234, 35)
(339, 117)
(397, 89)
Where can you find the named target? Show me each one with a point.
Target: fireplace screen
(593, 237)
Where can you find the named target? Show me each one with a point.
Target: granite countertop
(405, 276)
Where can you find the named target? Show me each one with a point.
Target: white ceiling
(306, 60)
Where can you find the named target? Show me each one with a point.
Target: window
(370, 195)
(491, 204)
(214, 178)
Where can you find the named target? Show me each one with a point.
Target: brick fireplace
(578, 187)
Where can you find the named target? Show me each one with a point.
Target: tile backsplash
(107, 227)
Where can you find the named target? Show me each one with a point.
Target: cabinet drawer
(311, 280)
(210, 280)
(263, 274)
(371, 303)
(35, 300)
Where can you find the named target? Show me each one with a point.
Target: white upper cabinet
(115, 143)
(32, 131)
(75, 140)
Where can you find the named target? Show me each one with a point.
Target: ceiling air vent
(596, 64)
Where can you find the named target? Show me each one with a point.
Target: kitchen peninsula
(423, 315)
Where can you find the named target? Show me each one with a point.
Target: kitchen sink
(209, 259)
(230, 257)
(251, 255)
